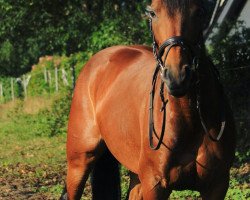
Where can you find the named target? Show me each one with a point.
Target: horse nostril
(178, 85)
(182, 75)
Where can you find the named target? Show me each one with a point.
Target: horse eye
(150, 13)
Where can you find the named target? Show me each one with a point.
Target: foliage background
(31, 29)
(71, 32)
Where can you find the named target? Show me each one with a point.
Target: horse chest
(188, 167)
(192, 170)
(183, 175)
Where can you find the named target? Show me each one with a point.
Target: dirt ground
(43, 182)
(21, 181)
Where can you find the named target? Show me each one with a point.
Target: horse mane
(179, 5)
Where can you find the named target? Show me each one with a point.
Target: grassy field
(32, 161)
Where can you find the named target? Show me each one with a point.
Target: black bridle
(161, 68)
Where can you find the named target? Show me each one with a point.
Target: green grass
(33, 162)
(22, 140)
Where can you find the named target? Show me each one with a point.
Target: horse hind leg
(105, 178)
(88, 154)
(64, 194)
(80, 164)
(84, 147)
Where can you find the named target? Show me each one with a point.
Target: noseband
(169, 44)
(161, 67)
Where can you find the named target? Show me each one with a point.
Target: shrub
(58, 116)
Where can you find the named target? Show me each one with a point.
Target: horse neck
(211, 90)
(210, 93)
(210, 86)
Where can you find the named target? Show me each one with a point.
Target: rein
(160, 68)
(151, 112)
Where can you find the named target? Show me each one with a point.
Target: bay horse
(160, 112)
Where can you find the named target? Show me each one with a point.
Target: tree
(230, 50)
(30, 29)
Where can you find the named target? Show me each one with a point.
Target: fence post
(45, 75)
(24, 87)
(12, 89)
(25, 83)
(64, 77)
(56, 79)
(73, 76)
(49, 78)
(1, 91)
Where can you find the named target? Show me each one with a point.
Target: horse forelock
(179, 5)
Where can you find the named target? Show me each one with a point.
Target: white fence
(55, 80)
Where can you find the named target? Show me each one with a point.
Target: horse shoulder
(121, 54)
(105, 67)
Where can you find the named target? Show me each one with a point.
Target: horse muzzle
(179, 85)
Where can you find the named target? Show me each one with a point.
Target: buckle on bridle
(163, 74)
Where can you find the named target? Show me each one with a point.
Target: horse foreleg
(154, 187)
(134, 192)
(217, 190)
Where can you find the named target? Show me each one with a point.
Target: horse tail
(105, 178)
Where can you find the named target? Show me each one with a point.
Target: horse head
(177, 28)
